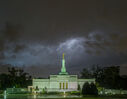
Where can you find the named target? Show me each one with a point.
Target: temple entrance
(63, 85)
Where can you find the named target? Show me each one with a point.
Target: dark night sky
(35, 33)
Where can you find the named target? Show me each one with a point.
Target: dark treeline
(107, 77)
(15, 78)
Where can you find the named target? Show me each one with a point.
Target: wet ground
(25, 96)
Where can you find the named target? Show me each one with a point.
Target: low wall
(16, 90)
(112, 91)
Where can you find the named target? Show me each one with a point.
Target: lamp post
(64, 94)
(5, 94)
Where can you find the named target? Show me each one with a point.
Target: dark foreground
(25, 96)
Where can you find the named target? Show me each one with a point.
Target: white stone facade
(60, 83)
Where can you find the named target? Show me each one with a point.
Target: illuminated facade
(61, 82)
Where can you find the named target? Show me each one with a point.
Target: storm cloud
(36, 33)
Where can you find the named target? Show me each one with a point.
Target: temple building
(61, 82)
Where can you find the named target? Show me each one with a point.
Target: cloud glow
(71, 45)
(40, 54)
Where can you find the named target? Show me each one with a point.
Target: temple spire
(63, 55)
(63, 69)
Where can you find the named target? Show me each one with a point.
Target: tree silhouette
(89, 89)
(16, 78)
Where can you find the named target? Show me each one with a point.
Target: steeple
(63, 69)
(63, 55)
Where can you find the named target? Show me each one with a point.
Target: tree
(16, 78)
(93, 89)
(98, 74)
(13, 76)
(86, 89)
(107, 77)
(4, 81)
(86, 73)
(89, 89)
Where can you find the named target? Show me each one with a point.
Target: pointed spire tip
(63, 55)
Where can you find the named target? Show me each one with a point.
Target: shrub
(89, 89)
